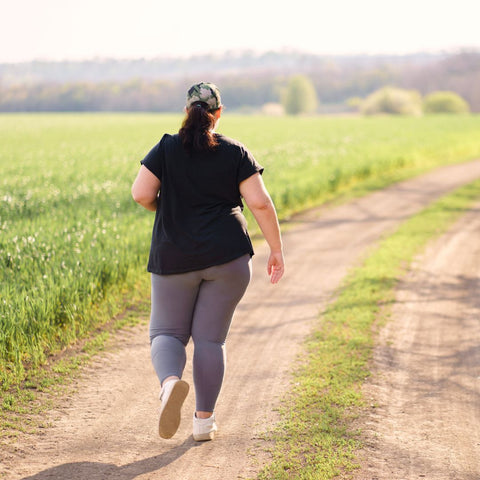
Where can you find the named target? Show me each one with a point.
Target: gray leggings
(198, 304)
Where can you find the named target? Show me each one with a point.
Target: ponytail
(196, 133)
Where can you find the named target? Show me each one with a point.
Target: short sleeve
(154, 159)
(248, 166)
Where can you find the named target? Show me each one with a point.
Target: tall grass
(311, 159)
(72, 239)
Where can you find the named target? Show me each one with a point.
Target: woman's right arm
(260, 204)
(145, 189)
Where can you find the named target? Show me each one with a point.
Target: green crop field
(72, 239)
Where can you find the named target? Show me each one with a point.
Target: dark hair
(196, 132)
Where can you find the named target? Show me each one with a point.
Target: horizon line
(244, 52)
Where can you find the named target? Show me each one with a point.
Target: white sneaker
(204, 428)
(173, 395)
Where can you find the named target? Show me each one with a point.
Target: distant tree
(394, 101)
(458, 73)
(300, 96)
(245, 80)
(445, 102)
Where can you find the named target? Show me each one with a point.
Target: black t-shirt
(199, 221)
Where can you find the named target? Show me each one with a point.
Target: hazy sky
(73, 29)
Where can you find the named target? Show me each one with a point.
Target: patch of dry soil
(108, 427)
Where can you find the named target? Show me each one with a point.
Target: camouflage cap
(204, 92)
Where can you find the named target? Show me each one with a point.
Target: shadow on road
(97, 470)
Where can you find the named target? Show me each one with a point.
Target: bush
(395, 101)
(300, 96)
(445, 102)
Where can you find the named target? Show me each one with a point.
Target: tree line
(247, 82)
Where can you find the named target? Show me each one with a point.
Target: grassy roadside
(315, 439)
(22, 406)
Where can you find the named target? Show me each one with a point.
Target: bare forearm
(267, 220)
(260, 204)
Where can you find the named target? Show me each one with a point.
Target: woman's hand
(275, 266)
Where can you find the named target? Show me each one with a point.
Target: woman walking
(200, 254)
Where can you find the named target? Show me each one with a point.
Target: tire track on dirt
(107, 429)
(426, 385)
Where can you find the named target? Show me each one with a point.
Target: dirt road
(107, 429)
(426, 386)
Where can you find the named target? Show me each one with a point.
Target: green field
(74, 245)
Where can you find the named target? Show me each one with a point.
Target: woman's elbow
(141, 197)
(136, 195)
(145, 188)
(261, 204)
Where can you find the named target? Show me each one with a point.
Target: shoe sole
(204, 437)
(169, 420)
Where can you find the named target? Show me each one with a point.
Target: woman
(200, 255)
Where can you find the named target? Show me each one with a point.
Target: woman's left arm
(145, 189)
